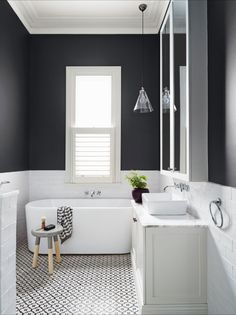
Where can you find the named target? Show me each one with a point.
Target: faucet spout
(92, 193)
(168, 186)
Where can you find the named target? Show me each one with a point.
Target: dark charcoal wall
(50, 54)
(13, 91)
(222, 91)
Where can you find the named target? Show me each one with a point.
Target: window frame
(115, 73)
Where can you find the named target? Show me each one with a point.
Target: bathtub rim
(32, 204)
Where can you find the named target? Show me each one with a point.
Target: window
(93, 105)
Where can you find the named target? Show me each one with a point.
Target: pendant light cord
(142, 73)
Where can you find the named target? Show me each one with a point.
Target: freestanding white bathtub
(100, 226)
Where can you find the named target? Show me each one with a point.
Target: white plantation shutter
(93, 154)
(93, 124)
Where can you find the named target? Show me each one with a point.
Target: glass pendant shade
(166, 101)
(143, 104)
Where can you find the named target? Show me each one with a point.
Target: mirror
(165, 98)
(180, 85)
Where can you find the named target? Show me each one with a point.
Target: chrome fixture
(168, 186)
(143, 105)
(4, 182)
(218, 203)
(180, 186)
(93, 193)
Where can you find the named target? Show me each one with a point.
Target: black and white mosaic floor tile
(81, 284)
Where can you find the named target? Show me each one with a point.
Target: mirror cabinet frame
(196, 94)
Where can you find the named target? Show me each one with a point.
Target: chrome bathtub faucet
(93, 193)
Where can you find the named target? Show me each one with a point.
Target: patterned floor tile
(81, 284)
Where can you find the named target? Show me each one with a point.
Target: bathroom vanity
(169, 262)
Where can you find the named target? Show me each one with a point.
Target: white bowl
(164, 204)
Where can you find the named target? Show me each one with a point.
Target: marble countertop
(148, 220)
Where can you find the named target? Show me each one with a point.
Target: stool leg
(36, 252)
(50, 256)
(57, 249)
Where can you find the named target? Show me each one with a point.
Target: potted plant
(139, 183)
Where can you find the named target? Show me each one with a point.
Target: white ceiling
(89, 17)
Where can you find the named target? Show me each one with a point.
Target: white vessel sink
(164, 204)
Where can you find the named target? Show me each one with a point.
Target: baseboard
(180, 309)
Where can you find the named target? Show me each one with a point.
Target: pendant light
(143, 104)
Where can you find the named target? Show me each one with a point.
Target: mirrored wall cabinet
(183, 112)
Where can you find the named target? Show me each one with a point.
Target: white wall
(8, 204)
(221, 243)
(35, 185)
(51, 184)
(18, 181)
(12, 220)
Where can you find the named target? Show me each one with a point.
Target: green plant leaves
(136, 180)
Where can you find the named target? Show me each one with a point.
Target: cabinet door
(180, 77)
(183, 91)
(134, 237)
(165, 100)
(175, 265)
(138, 234)
(139, 250)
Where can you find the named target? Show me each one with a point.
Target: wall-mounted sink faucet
(180, 186)
(4, 182)
(93, 193)
(168, 186)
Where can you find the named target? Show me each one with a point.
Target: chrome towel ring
(218, 203)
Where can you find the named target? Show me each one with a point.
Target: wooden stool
(49, 234)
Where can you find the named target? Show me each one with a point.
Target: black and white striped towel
(64, 218)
